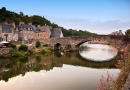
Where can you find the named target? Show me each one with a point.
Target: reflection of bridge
(72, 43)
(49, 62)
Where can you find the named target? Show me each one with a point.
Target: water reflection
(58, 71)
(97, 52)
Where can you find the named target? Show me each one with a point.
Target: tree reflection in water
(22, 65)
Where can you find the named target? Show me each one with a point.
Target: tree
(38, 44)
(6, 36)
(3, 9)
(23, 48)
(127, 32)
(21, 14)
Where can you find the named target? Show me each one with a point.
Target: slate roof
(56, 32)
(25, 27)
(6, 28)
(34, 27)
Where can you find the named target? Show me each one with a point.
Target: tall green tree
(3, 9)
(127, 32)
(21, 14)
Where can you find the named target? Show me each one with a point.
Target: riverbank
(118, 83)
(23, 50)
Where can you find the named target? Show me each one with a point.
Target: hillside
(9, 16)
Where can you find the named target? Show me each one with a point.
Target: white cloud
(95, 26)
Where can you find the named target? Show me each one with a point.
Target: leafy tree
(6, 36)
(23, 48)
(21, 14)
(3, 9)
(38, 44)
(23, 59)
(127, 32)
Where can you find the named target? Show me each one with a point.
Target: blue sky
(98, 16)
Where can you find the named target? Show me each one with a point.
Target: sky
(97, 16)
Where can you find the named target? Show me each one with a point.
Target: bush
(23, 59)
(15, 53)
(46, 51)
(23, 48)
(38, 44)
(13, 45)
(45, 45)
(38, 59)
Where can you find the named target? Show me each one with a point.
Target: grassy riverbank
(23, 50)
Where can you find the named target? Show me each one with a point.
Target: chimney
(38, 26)
(30, 23)
(13, 24)
(21, 23)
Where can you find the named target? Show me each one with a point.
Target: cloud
(95, 26)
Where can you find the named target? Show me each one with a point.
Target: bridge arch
(82, 42)
(57, 46)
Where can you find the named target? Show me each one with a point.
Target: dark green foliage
(127, 32)
(57, 54)
(43, 51)
(15, 53)
(38, 59)
(23, 59)
(38, 44)
(10, 17)
(45, 45)
(23, 48)
(72, 32)
(13, 45)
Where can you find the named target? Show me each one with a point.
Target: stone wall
(4, 50)
(75, 42)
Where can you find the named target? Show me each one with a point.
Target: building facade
(28, 32)
(117, 33)
(9, 31)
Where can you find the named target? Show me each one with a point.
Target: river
(60, 71)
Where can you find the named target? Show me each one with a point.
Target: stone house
(117, 33)
(47, 29)
(10, 30)
(26, 32)
(31, 32)
(39, 35)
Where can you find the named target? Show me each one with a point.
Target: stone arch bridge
(73, 43)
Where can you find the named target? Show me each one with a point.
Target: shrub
(23, 59)
(38, 44)
(23, 48)
(12, 45)
(15, 53)
(46, 51)
(45, 45)
(38, 59)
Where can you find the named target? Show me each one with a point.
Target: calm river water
(60, 71)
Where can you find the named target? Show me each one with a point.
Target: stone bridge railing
(72, 43)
